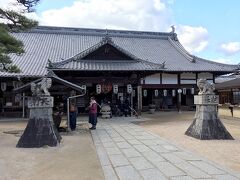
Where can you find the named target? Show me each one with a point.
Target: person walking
(93, 113)
(73, 116)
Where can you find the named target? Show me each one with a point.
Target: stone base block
(224, 111)
(206, 129)
(38, 133)
(236, 112)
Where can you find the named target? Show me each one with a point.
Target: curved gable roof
(58, 44)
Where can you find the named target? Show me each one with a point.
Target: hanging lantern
(115, 88)
(173, 92)
(179, 91)
(98, 88)
(184, 91)
(192, 90)
(129, 88)
(145, 93)
(156, 93)
(3, 86)
(133, 93)
(165, 92)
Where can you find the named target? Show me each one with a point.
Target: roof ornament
(173, 33)
(173, 29)
(193, 59)
(41, 88)
(50, 73)
(49, 64)
(107, 38)
(163, 64)
(238, 66)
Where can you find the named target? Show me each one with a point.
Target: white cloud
(225, 61)
(152, 15)
(148, 15)
(230, 48)
(194, 39)
(11, 5)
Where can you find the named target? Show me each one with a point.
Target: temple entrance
(107, 95)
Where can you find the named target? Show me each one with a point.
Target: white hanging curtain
(192, 90)
(129, 88)
(115, 88)
(145, 93)
(173, 92)
(3, 86)
(156, 93)
(184, 91)
(98, 88)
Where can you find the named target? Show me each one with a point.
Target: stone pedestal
(40, 130)
(206, 123)
(106, 111)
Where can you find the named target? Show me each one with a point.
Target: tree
(12, 21)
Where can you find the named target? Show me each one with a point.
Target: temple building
(146, 67)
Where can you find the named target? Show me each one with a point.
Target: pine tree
(14, 22)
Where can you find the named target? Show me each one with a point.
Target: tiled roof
(108, 65)
(60, 44)
(235, 83)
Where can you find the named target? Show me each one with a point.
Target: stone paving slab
(126, 151)
(112, 150)
(127, 173)
(182, 178)
(153, 156)
(169, 169)
(134, 142)
(118, 160)
(109, 173)
(141, 148)
(102, 155)
(210, 169)
(140, 163)
(152, 174)
(172, 158)
(192, 170)
(109, 144)
(226, 177)
(123, 145)
(159, 149)
(131, 152)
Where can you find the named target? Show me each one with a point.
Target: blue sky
(207, 28)
(219, 17)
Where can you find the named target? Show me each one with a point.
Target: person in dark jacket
(73, 116)
(126, 108)
(93, 113)
(120, 106)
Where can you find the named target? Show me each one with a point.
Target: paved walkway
(126, 151)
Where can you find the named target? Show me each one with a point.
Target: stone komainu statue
(205, 87)
(41, 88)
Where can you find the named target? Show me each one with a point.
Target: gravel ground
(172, 126)
(75, 159)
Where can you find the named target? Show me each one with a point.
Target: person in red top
(93, 113)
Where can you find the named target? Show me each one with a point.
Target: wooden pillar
(196, 77)
(139, 98)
